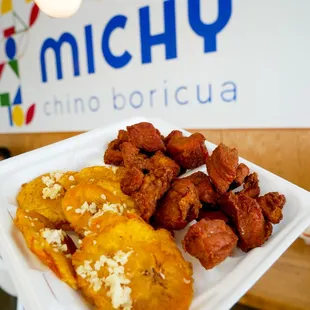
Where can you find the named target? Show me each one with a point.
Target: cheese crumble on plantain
(116, 282)
(92, 208)
(54, 237)
(52, 189)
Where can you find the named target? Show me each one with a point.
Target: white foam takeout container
(219, 288)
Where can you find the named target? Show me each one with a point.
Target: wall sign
(196, 63)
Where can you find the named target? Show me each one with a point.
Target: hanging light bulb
(59, 8)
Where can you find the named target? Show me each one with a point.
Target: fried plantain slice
(53, 247)
(96, 173)
(86, 200)
(129, 265)
(44, 195)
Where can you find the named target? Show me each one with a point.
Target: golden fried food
(129, 265)
(96, 173)
(272, 205)
(179, 206)
(222, 167)
(189, 152)
(145, 137)
(44, 195)
(210, 241)
(85, 200)
(53, 247)
(162, 170)
(68, 180)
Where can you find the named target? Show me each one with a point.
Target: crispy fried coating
(132, 181)
(207, 193)
(179, 206)
(248, 219)
(212, 215)
(173, 134)
(222, 167)
(145, 137)
(251, 186)
(272, 205)
(132, 156)
(159, 163)
(113, 154)
(154, 273)
(189, 152)
(30, 197)
(151, 190)
(162, 170)
(210, 241)
(41, 238)
(241, 173)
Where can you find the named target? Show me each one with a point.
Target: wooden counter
(284, 152)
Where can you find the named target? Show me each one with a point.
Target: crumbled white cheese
(91, 180)
(87, 232)
(54, 237)
(114, 192)
(97, 214)
(110, 207)
(32, 224)
(103, 196)
(92, 208)
(94, 242)
(186, 281)
(72, 186)
(52, 192)
(69, 208)
(121, 257)
(48, 181)
(116, 282)
(52, 189)
(26, 217)
(57, 175)
(114, 207)
(68, 255)
(80, 241)
(162, 275)
(71, 178)
(91, 276)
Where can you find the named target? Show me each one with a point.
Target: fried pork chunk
(248, 219)
(210, 241)
(132, 157)
(189, 152)
(206, 191)
(241, 173)
(272, 205)
(113, 154)
(145, 137)
(251, 186)
(179, 206)
(212, 215)
(148, 189)
(222, 167)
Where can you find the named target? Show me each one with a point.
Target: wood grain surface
(285, 152)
